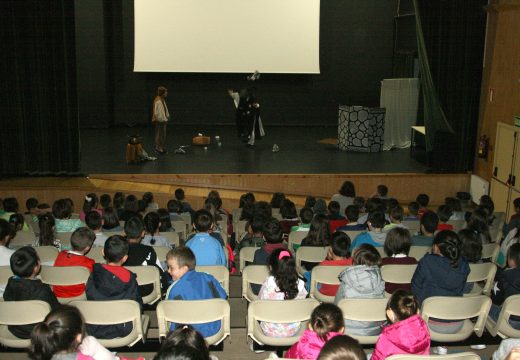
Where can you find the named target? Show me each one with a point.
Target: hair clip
(284, 254)
(88, 198)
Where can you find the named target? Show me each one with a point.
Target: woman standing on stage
(249, 123)
(160, 119)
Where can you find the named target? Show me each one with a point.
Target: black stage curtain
(453, 33)
(40, 130)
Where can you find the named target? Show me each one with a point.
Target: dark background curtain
(40, 132)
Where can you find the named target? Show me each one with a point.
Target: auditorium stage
(301, 152)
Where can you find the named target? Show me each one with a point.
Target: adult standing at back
(346, 196)
(160, 119)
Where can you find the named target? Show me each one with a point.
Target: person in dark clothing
(25, 265)
(111, 281)
(273, 237)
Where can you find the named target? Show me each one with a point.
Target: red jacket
(70, 258)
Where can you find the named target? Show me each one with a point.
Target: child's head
(516, 204)
(131, 204)
(46, 225)
(340, 245)
(180, 260)
(320, 207)
(257, 224)
(61, 209)
(310, 201)
(283, 267)
(70, 203)
(397, 213)
(134, 228)
(401, 306)
(147, 198)
(352, 213)
(306, 215)
(471, 245)
(174, 206)
(487, 202)
(360, 202)
(382, 190)
(90, 203)
(164, 219)
(116, 250)
(326, 318)
(398, 241)
(367, 255)
(429, 223)
(376, 220)
(25, 262)
(413, 208)
(423, 200)
(203, 221)
(10, 205)
(152, 222)
(454, 203)
(272, 231)
(181, 339)
(348, 189)
(61, 332)
(93, 220)
(513, 255)
(288, 209)
(110, 219)
(82, 239)
(319, 231)
(6, 232)
(277, 199)
(444, 212)
(342, 347)
(334, 208)
(31, 204)
(179, 194)
(17, 221)
(448, 244)
(105, 200)
(119, 200)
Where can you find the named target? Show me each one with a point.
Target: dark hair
(186, 336)
(147, 198)
(471, 245)
(110, 219)
(174, 206)
(6, 230)
(93, 220)
(247, 211)
(397, 212)
(180, 352)
(430, 221)
(413, 208)
(116, 248)
(203, 220)
(17, 221)
(277, 199)
(320, 207)
(347, 189)
(272, 231)
(210, 206)
(360, 202)
(449, 246)
(82, 238)
(284, 272)
(151, 224)
(352, 213)
(513, 253)
(164, 218)
(326, 318)
(119, 200)
(10, 204)
(398, 241)
(319, 231)
(257, 224)
(179, 194)
(288, 209)
(246, 198)
(90, 203)
(487, 202)
(131, 204)
(306, 215)
(334, 207)
(516, 203)
(342, 347)
(262, 208)
(382, 190)
(184, 257)
(46, 225)
(141, 206)
(403, 304)
(454, 203)
(444, 212)
(105, 200)
(134, 228)
(23, 261)
(57, 333)
(478, 221)
(340, 244)
(366, 254)
(31, 203)
(377, 219)
(310, 201)
(61, 209)
(214, 196)
(423, 200)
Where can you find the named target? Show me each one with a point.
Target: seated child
(335, 218)
(62, 211)
(306, 215)
(352, 214)
(381, 192)
(338, 255)
(396, 218)
(282, 284)
(175, 210)
(362, 280)
(342, 347)
(407, 332)
(111, 221)
(289, 217)
(429, 223)
(95, 223)
(423, 200)
(444, 212)
(189, 284)
(184, 343)
(6, 234)
(319, 232)
(397, 247)
(413, 211)
(81, 241)
(273, 237)
(255, 236)
(375, 235)
(152, 236)
(325, 323)
(17, 222)
(112, 281)
(24, 285)
(207, 249)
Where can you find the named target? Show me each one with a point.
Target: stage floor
(103, 151)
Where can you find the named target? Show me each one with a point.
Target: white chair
(501, 327)
(418, 252)
(363, 310)
(458, 356)
(195, 312)
(381, 251)
(310, 254)
(322, 274)
(180, 228)
(20, 313)
(398, 274)
(5, 274)
(253, 274)
(220, 273)
(287, 311)
(161, 252)
(96, 254)
(64, 238)
(490, 251)
(22, 238)
(412, 225)
(295, 239)
(481, 272)
(47, 254)
(115, 312)
(240, 229)
(172, 237)
(247, 254)
(65, 276)
(457, 308)
(148, 275)
(352, 234)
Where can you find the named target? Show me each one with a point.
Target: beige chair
(221, 273)
(412, 225)
(419, 251)
(457, 224)
(5, 274)
(398, 274)
(236, 213)
(47, 254)
(148, 275)
(381, 251)
(501, 327)
(324, 275)
(247, 254)
(180, 229)
(22, 238)
(195, 312)
(253, 274)
(223, 225)
(363, 310)
(457, 356)
(310, 254)
(20, 313)
(172, 237)
(115, 312)
(240, 229)
(96, 254)
(484, 272)
(64, 238)
(161, 252)
(490, 251)
(65, 275)
(287, 311)
(295, 239)
(457, 308)
(353, 234)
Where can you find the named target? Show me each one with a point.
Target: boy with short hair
(255, 236)
(338, 255)
(382, 192)
(336, 220)
(423, 200)
(396, 218)
(306, 215)
(352, 214)
(95, 223)
(375, 235)
(413, 211)
(207, 249)
(81, 241)
(25, 265)
(111, 281)
(273, 237)
(429, 223)
(189, 284)
(444, 212)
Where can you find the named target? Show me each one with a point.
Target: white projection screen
(227, 36)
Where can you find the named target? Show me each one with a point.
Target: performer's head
(162, 91)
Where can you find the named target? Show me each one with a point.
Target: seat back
(96, 254)
(287, 311)
(482, 272)
(398, 274)
(47, 254)
(195, 312)
(161, 252)
(412, 225)
(240, 228)
(324, 275)
(247, 254)
(310, 254)
(148, 275)
(457, 308)
(5, 274)
(253, 274)
(418, 252)
(20, 313)
(457, 356)
(510, 307)
(352, 234)
(295, 239)
(64, 276)
(22, 238)
(180, 229)
(363, 310)
(64, 238)
(221, 273)
(490, 251)
(172, 237)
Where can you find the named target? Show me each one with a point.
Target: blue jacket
(373, 238)
(197, 286)
(207, 250)
(435, 276)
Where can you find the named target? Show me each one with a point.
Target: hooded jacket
(373, 238)
(309, 345)
(409, 336)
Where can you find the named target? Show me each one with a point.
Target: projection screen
(238, 36)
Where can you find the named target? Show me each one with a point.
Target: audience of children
(277, 200)
(95, 223)
(10, 205)
(186, 207)
(62, 211)
(345, 196)
(105, 201)
(207, 249)
(130, 208)
(478, 222)
(119, 202)
(320, 207)
(429, 223)
(512, 237)
(352, 214)
(152, 237)
(338, 255)
(514, 220)
(397, 246)
(17, 222)
(375, 235)
(149, 203)
(6, 234)
(342, 347)
(289, 216)
(165, 221)
(306, 215)
(175, 209)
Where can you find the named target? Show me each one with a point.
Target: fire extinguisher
(483, 147)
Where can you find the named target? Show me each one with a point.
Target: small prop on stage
(201, 140)
(135, 152)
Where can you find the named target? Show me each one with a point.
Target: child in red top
(444, 212)
(339, 255)
(81, 241)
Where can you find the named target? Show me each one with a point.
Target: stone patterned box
(361, 128)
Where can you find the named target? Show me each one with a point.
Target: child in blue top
(375, 235)
(207, 249)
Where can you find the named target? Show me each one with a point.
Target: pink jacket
(309, 346)
(410, 336)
